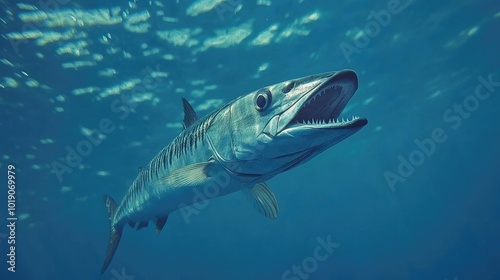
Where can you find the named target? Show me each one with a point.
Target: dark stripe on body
(188, 140)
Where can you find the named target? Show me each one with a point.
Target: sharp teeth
(332, 121)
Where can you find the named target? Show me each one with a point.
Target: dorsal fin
(190, 116)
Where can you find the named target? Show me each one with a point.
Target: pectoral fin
(263, 200)
(191, 175)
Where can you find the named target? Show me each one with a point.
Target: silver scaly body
(237, 147)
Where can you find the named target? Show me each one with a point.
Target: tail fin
(116, 232)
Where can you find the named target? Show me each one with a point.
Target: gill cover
(232, 135)
(273, 129)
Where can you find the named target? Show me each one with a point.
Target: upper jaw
(320, 107)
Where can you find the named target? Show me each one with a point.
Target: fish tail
(115, 235)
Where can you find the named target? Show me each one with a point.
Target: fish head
(284, 125)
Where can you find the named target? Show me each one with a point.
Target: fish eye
(288, 86)
(262, 99)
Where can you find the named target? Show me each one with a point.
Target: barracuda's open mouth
(321, 108)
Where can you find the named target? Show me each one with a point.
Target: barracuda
(239, 147)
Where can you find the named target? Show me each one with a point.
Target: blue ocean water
(413, 195)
